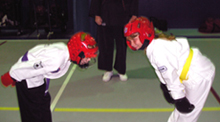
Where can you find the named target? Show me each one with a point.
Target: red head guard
(142, 26)
(82, 45)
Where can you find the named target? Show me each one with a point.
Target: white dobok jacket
(168, 59)
(42, 61)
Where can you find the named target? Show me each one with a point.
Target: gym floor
(82, 96)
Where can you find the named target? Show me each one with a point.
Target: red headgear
(141, 25)
(82, 45)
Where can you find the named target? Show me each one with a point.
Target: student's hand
(7, 80)
(98, 20)
(132, 18)
(183, 105)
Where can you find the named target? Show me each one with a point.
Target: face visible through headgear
(84, 61)
(134, 41)
(139, 33)
(82, 49)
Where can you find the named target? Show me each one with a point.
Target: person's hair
(162, 35)
(132, 36)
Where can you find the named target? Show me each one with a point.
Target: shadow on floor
(146, 72)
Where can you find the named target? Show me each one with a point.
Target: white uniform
(168, 59)
(42, 61)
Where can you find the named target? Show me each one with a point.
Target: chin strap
(90, 63)
(146, 43)
(79, 58)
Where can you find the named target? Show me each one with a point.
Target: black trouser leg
(33, 103)
(106, 48)
(121, 50)
(106, 36)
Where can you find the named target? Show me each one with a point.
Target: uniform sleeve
(167, 73)
(31, 68)
(95, 7)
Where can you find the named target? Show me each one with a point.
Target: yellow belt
(186, 67)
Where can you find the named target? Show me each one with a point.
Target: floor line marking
(62, 88)
(9, 108)
(115, 110)
(3, 43)
(126, 109)
(215, 94)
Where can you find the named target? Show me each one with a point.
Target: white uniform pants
(196, 92)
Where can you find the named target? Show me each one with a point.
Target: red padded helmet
(142, 26)
(82, 45)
